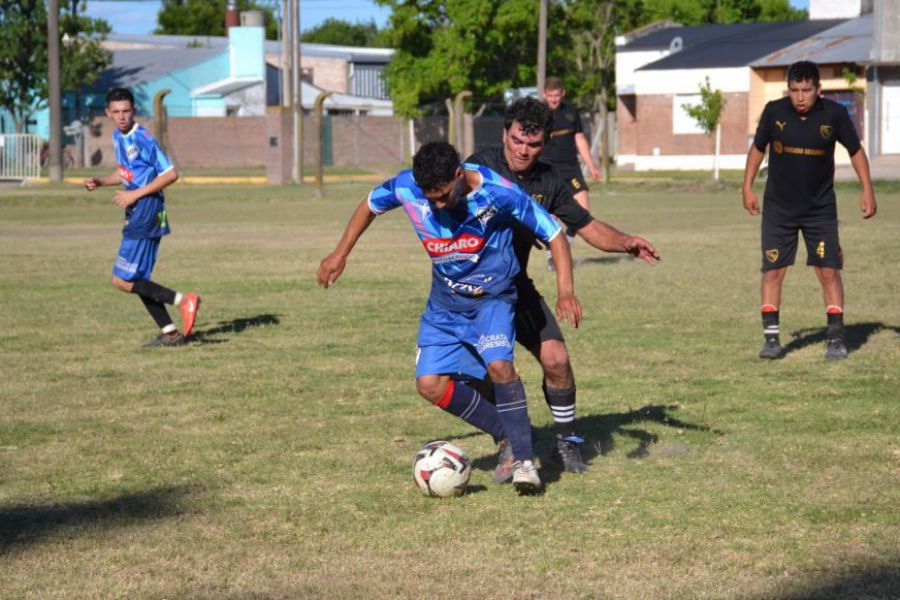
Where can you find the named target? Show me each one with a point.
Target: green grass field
(271, 458)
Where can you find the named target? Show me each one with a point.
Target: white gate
(890, 120)
(20, 156)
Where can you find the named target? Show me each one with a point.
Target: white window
(681, 121)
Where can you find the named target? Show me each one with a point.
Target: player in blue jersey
(144, 171)
(464, 216)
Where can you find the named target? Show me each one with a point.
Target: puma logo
(780, 125)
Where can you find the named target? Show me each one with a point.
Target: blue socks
(512, 409)
(463, 401)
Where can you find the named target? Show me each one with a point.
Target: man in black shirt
(527, 127)
(800, 130)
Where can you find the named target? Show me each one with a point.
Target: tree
(207, 17)
(23, 54)
(446, 46)
(708, 115)
(342, 33)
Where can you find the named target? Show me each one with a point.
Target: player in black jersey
(527, 127)
(801, 130)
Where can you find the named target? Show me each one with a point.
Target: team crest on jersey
(487, 214)
(777, 147)
(772, 254)
(826, 131)
(132, 152)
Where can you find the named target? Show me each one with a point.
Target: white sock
(178, 297)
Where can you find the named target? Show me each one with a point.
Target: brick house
(660, 71)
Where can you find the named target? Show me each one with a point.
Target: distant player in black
(567, 142)
(527, 127)
(800, 131)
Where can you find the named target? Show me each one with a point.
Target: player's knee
(432, 387)
(121, 284)
(502, 371)
(828, 275)
(774, 275)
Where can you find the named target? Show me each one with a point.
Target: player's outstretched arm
(754, 160)
(92, 183)
(605, 237)
(568, 308)
(333, 265)
(867, 203)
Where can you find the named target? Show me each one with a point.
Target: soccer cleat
(503, 472)
(837, 349)
(566, 451)
(525, 477)
(188, 307)
(166, 340)
(771, 349)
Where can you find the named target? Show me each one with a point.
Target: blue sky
(139, 16)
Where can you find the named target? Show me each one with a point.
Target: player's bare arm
(568, 308)
(332, 266)
(607, 238)
(867, 204)
(584, 150)
(126, 198)
(92, 183)
(754, 160)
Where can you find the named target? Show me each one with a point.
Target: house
(659, 71)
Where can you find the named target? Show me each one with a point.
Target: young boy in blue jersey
(464, 215)
(144, 171)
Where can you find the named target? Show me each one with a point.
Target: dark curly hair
(803, 70)
(435, 165)
(532, 115)
(118, 94)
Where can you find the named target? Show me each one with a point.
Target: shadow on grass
(207, 336)
(601, 260)
(25, 524)
(855, 335)
(881, 583)
(600, 432)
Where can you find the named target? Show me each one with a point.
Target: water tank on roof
(252, 18)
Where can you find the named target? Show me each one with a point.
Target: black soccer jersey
(546, 187)
(560, 149)
(801, 155)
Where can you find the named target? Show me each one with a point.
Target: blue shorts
(136, 259)
(462, 344)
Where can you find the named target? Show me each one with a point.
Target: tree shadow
(22, 525)
(207, 336)
(855, 335)
(876, 583)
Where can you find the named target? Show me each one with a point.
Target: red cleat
(188, 307)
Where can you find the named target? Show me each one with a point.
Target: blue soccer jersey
(140, 161)
(471, 245)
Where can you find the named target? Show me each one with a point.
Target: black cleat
(837, 349)
(566, 451)
(771, 349)
(166, 340)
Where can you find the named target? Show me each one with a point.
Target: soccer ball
(441, 469)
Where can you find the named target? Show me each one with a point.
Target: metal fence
(20, 156)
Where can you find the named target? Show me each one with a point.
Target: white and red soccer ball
(441, 469)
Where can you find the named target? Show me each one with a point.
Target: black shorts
(573, 178)
(779, 241)
(535, 322)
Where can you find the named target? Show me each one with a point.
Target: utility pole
(298, 90)
(55, 99)
(542, 48)
(286, 45)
